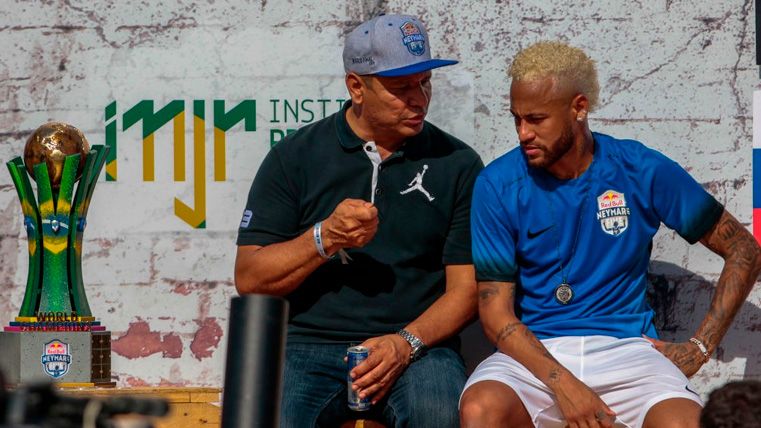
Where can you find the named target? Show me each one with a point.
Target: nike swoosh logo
(532, 235)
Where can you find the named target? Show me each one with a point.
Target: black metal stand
(254, 370)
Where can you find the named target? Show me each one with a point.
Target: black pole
(254, 371)
(2, 399)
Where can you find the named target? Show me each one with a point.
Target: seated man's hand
(389, 356)
(582, 407)
(685, 355)
(351, 225)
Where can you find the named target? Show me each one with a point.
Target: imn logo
(151, 120)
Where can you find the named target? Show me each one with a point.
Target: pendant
(564, 293)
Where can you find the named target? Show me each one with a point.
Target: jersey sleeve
(457, 248)
(494, 238)
(682, 203)
(272, 211)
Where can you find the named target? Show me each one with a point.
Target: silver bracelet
(702, 348)
(317, 233)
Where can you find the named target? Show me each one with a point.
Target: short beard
(555, 151)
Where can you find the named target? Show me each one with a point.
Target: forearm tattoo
(512, 327)
(554, 376)
(536, 344)
(741, 268)
(683, 356)
(506, 331)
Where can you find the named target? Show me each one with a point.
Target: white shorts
(629, 375)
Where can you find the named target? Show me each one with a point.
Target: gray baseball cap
(390, 45)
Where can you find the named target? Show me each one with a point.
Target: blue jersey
(594, 232)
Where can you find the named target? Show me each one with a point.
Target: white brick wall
(677, 75)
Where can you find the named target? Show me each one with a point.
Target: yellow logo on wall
(144, 112)
(283, 116)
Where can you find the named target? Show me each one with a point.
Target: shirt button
(369, 148)
(378, 191)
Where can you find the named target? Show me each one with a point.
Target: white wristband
(317, 233)
(702, 348)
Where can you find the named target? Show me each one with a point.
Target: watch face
(417, 352)
(414, 355)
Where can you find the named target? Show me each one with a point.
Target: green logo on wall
(152, 120)
(285, 117)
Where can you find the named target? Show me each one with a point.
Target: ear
(580, 107)
(356, 87)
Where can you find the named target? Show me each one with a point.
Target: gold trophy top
(51, 143)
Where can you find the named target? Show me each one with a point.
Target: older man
(361, 221)
(562, 232)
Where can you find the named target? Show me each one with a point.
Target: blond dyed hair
(568, 64)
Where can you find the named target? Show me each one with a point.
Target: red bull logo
(409, 28)
(413, 38)
(56, 358)
(612, 212)
(611, 199)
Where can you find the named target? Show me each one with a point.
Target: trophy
(55, 335)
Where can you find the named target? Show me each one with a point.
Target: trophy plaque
(55, 336)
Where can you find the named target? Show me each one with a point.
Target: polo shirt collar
(346, 136)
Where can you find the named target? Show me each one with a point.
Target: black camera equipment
(41, 406)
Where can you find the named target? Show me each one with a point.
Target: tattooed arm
(578, 403)
(742, 263)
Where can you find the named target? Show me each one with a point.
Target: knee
(488, 404)
(475, 409)
(472, 413)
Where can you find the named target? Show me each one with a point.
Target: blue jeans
(314, 390)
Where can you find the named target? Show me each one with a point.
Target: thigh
(426, 394)
(314, 375)
(536, 399)
(673, 413)
(634, 377)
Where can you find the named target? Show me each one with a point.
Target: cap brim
(417, 68)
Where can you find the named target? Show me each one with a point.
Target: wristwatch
(418, 347)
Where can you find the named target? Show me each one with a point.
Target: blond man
(562, 228)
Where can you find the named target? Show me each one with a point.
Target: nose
(525, 132)
(420, 96)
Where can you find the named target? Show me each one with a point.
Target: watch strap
(418, 346)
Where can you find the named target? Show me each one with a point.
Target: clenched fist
(351, 225)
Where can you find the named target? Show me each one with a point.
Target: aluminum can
(354, 356)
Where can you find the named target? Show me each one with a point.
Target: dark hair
(734, 405)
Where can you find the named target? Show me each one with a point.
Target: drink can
(354, 356)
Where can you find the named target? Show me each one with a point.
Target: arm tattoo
(741, 267)
(682, 356)
(506, 331)
(554, 376)
(536, 344)
(728, 229)
(486, 291)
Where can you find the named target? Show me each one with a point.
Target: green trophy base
(69, 358)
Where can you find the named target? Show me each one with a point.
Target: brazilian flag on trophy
(55, 335)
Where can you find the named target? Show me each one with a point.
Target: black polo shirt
(422, 192)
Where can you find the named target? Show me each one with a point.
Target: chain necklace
(564, 292)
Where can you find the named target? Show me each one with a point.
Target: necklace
(564, 292)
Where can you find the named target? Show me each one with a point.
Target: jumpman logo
(417, 184)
